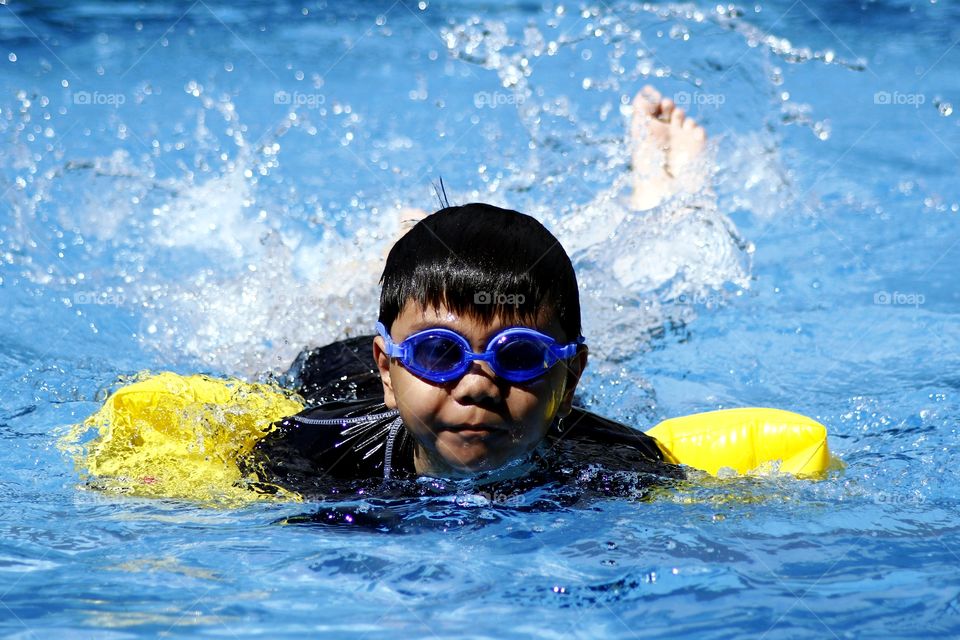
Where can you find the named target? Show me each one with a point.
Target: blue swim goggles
(516, 354)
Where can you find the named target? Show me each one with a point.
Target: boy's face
(479, 421)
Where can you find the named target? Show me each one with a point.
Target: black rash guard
(351, 435)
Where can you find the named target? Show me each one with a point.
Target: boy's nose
(478, 384)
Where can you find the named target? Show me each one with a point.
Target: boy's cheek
(389, 400)
(391, 378)
(416, 404)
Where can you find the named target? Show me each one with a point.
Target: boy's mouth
(479, 426)
(474, 430)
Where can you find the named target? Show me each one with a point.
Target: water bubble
(12, 57)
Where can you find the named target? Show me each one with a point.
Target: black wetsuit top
(349, 434)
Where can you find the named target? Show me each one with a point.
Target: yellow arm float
(747, 440)
(175, 436)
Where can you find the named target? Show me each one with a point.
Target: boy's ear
(575, 367)
(383, 364)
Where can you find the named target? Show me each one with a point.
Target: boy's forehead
(415, 316)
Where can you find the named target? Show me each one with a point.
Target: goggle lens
(519, 355)
(438, 353)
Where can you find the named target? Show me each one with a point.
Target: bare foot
(666, 146)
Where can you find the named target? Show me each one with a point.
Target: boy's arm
(336, 441)
(615, 445)
(344, 370)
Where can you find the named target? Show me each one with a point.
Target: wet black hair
(485, 262)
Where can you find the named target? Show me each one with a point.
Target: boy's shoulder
(607, 442)
(342, 439)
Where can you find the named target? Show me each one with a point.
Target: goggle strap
(393, 349)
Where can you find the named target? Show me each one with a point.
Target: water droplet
(12, 57)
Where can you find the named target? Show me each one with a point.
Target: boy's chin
(467, 464)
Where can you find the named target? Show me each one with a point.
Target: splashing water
(242, 236)
(212, 187)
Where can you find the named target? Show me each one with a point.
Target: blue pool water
(209, 186)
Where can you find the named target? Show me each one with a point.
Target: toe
(666, 108)
(677, 117)
(647, 102)
(689, 124)
(649, 93)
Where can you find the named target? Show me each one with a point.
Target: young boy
(478, 354)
